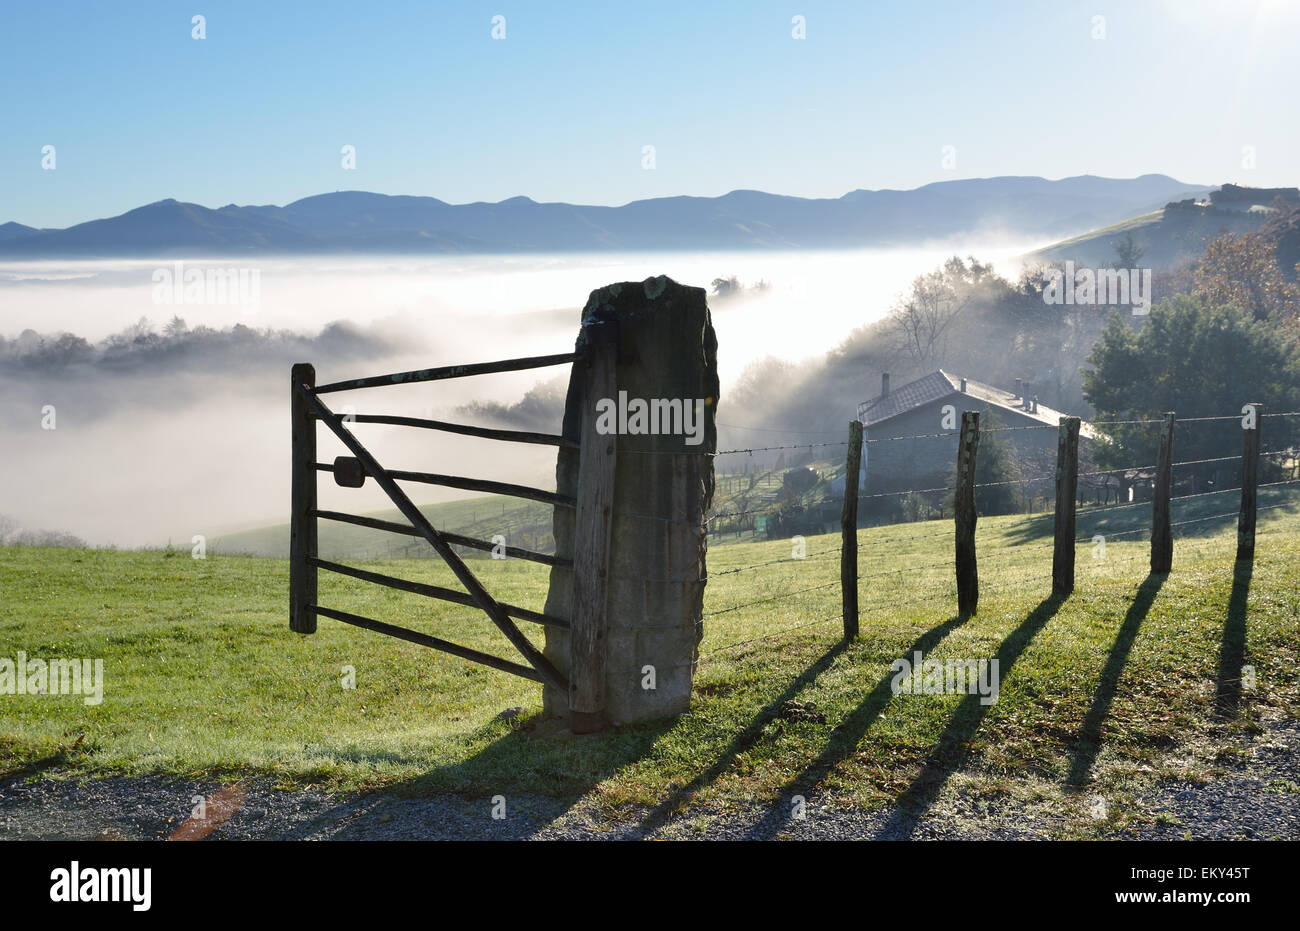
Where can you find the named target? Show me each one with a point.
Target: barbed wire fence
(1141, 480)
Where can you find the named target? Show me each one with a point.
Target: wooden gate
(352, 471)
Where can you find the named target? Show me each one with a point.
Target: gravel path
(1258, 797)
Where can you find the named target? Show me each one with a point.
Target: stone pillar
(667, 351)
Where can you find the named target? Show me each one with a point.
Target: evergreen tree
(1197, 359)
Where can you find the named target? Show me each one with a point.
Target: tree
(1242, 270)
(726, 287)
(920, 321)
(1127, 252)
(1198, 359)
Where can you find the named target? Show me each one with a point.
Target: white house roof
(939, 385)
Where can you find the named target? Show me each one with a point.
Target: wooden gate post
(1162, 540)
(849, 530)
(302, 516)
(658, 411)
(597, 461)
(1250, 436)
(968, 586)
(1067, 490)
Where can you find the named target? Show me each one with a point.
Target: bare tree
(920, 321)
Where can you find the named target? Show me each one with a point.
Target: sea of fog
(140, 458)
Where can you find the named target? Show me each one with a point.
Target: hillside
(1175, 233)
(363, 222)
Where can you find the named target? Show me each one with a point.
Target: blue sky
(258, 111)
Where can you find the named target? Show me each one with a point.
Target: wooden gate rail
(486, 433)
(469, 484)
(424, 640)
(433, 591)
(514, 552)
(451, 371)
(312, 405)
(496, 488)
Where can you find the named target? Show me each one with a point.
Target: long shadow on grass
(1127, 518)
(846, 736)
(565, 768)
(1232, 653)
(1088, 743)
(953, 746)
(534, 758)
(544, 759)
(548, 762)
(661, 813)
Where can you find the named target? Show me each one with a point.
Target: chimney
(1035, 409)
(963, 386)
(884, 384)
(1019, 388)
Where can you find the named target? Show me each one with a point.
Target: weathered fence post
(302, 517)
(849, 530)
(1067, 489)
(1162, 540)
(665, 351)
(968, 586)
(1250, 435)
(597, 461)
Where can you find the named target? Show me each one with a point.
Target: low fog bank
(178, 427)
(159, 434)
(173, 365)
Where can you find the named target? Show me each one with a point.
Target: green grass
(203, 675)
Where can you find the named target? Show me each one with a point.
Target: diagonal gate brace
(549, 674)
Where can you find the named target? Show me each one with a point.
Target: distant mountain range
(361, 222)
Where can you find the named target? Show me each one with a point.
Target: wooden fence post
(595, 503)
(302, 517)
(1162, 540)
(849, 530)
(1249, 482)
(1067, 489)
(968, 586)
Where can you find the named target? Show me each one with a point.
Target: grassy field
(1110, 689)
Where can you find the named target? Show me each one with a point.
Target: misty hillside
(361, 222)
(1177, 232)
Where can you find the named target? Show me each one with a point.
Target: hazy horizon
(478, 104)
